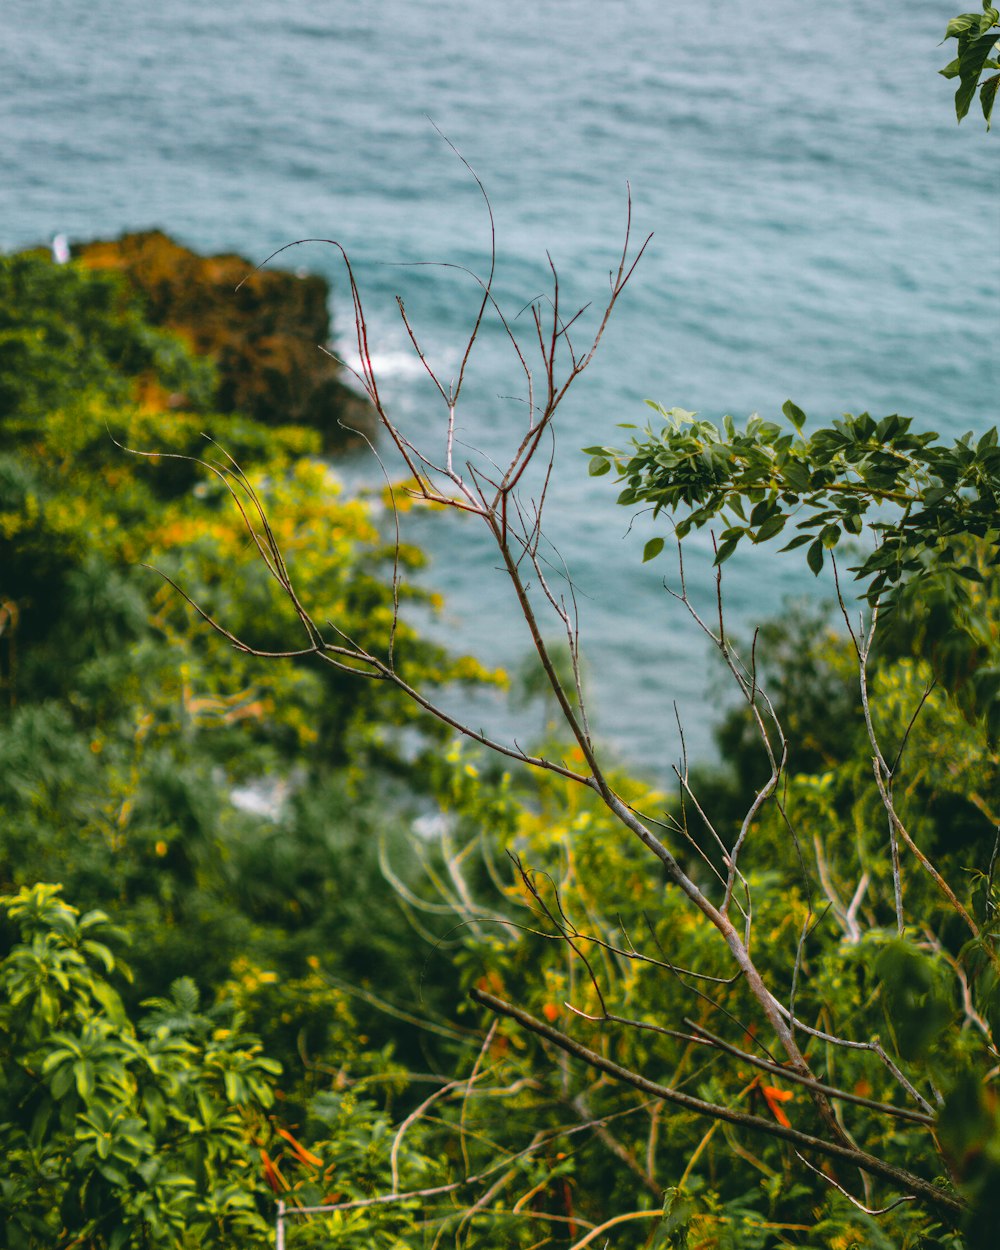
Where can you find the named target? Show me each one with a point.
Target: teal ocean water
(822, 231)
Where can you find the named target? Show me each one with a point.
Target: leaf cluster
(978, 36)
(153, 1128)
(920, 516)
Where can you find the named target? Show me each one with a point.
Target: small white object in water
(60, 249)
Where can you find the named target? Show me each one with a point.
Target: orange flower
(271, 1173)
(774, 1098)
(303, 1155)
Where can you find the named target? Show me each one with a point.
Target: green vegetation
(272, 930)
(124, 731)
(977, 35)
(934, 510)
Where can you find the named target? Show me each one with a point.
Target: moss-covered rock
(264, 338)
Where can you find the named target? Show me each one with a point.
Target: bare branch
(929, 1193)
(850, 1197)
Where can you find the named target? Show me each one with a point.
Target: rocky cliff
(264, 338)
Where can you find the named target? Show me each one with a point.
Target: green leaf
(987, 97)
(726, 549)
(762, 511)
(773, 525)
(83, 1070)
(973, 55)
(113, 1175)
(652, 549)
(794, 413)
(963, 97)
(797, 475)
(814, 557)
(109, 1000)
(100, 952)
(799, 540)
(959, 25)
(599, 466)
(829, 536)
(678, 1209)
(62, 1081)
(185, 993)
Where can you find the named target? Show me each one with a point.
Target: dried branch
(832, 1091)
(928, 1192)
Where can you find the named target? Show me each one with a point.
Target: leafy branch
(978, 36)
(931, 510)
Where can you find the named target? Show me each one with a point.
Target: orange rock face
(265, 338)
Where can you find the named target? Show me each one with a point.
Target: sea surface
(822, 230)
